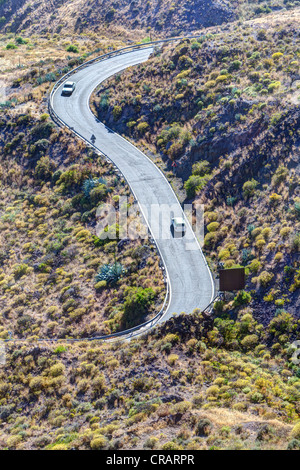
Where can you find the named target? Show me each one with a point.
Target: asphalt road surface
(190, 281)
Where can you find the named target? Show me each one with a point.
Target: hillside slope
(51, 187)
(219, 381)
(221, 116)
(152, 17)
(192, 384)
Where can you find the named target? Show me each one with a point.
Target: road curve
(190, 280)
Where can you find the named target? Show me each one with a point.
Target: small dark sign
(232, 279)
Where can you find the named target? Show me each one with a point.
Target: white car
(178, 225)
(68, 88)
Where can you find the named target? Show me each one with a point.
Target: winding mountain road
(190, 281)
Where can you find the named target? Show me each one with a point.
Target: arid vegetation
(51, 187)
(192, 384)
(130, 18)
(219, 115)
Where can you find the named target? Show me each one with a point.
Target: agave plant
(110, 273)
(92, 183)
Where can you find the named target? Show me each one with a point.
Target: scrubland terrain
(220, 116)
(193, 384)
(130, 18)
(51, 186)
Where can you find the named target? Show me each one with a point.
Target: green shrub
(36, 384)
(20, 270)
(176, 150)
(98, 443)
(142, 127)
(73, 49)
(280, 175)
(264, 278)
(242, 298)
(57, 370)
(295, 433)
(44, 168)
(256, 397)
(137, 303)
(201, 168)
(277, 55)
(20, 40)
(250, 341)
(171, 446)
(100, 285)
(151, 443)
(294, 444)
(92, 183)
(172, 359)
(254, 266)
(213, 226)
(117, 112)
(11, 46)
(249, 188)
(203, 427)
(274, 86)
(195, 183)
